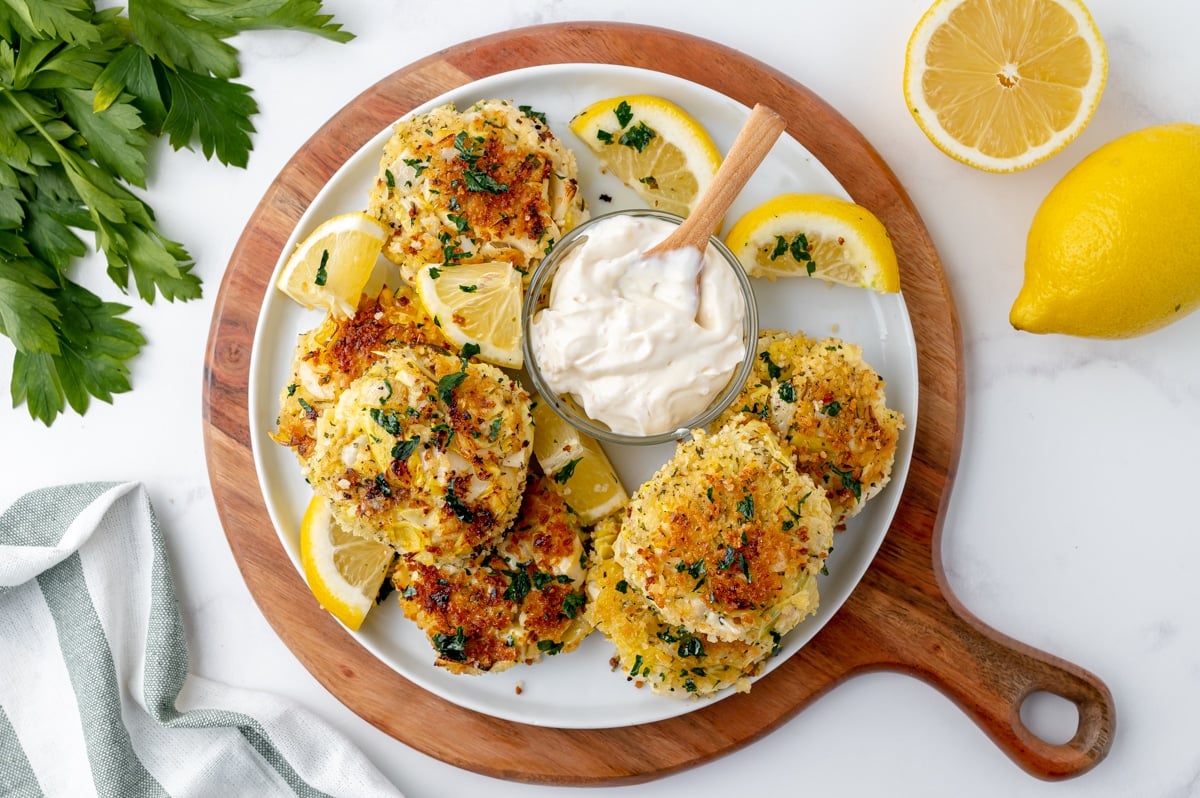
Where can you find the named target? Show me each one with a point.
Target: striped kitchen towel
(95, 694)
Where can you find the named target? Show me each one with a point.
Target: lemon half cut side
(1002, 85)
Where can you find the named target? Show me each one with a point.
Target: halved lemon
(1004, 84)
(653, 146)
(332, 265)
(477, 303)
(577, 465)
(344, 571)
(816, 235)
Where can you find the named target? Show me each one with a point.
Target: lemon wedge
(1004, 84)
(344, 571)
(577, 465)
(653, 146)
(477, 303)
(819, 236)
(332, 265)
(1113, 249)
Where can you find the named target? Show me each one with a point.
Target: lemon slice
(477, 303)
(330, 268)
(577, 464)
(819, 236)
(1004, 84)
(344, 571)
(653, 146)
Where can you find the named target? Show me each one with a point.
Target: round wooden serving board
(901, 617)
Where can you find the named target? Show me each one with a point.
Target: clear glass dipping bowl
(537, 297)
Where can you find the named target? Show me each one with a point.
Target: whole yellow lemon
(1114, 249)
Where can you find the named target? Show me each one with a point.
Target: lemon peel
(1112, 251)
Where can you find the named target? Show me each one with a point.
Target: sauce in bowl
(643, 343)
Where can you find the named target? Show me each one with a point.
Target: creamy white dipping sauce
(630, 336)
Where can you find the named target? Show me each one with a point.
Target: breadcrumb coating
(829, 407)
(520, 600)
(490, 183)
(426, 451)
(726, 538)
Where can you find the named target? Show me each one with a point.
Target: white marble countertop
(1066, 529)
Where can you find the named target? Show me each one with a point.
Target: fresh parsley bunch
(83, 94)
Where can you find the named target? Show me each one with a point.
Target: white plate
(580, 690)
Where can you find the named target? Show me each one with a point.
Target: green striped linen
(95, 694)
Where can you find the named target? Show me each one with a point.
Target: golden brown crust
(489, 183)
(830, 410)
(670, 659)
(516, 602)
(725, 537)
(426, 451)
(335, 353)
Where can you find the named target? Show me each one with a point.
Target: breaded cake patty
(491, 183)
(336, 353)
(520, 600)
(426, 451)
(726, 537)
(671, 659)
(830, 409)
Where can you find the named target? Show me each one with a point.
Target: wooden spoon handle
(751, 146)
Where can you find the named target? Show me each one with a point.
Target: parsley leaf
(84, 94)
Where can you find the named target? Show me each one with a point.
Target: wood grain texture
(902, 616)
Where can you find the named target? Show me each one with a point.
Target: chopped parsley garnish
(746, 507)
(388, 419)
(549, 647)
(791, 522)
(435, 273)
(832, 408)
(773, 371)
(461, 511)
(466, 147)
(322, 274)
(381, 485)
(292, 389)
(404, 449)
(622, 586)
(849, 482)
(482, 181)
(494, 432)
(468, 289)
(638, 136)
(451, 647)
(306, 407)
(389, 178)
(532, 114)
(417, 165)
(519, 585)
(409, 592)
(787, 392)
(566, 472)
(691, 646)
(470, 350)
(637, 665)
(573, 603)
(460, 222)
(623, 113)
(447, 384)
(605, 136)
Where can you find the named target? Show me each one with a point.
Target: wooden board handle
(990, 677)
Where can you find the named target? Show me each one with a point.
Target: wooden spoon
(752, 144)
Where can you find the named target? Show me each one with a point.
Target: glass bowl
(566, 405)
